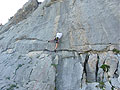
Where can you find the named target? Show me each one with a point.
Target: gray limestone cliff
(88, 55)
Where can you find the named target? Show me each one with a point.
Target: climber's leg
(56, 46)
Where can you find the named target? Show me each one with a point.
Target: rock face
(87, 58)
(24, 12)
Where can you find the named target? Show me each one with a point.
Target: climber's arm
(51, 41)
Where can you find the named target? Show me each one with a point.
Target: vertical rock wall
(87, 57)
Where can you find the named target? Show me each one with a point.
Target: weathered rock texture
(24, 12)
(91, 40)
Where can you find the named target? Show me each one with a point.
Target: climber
(56, 40)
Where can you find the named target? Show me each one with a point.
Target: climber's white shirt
(59, 35)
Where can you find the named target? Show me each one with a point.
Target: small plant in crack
(8, 78)
(20, 65)
(12, 86)
(116, 51)
(101, 85)
(54, 65)
(55, 88)
(105, 67)
(112, 88)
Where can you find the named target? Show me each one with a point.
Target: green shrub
(116, 51)
(12, 87)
